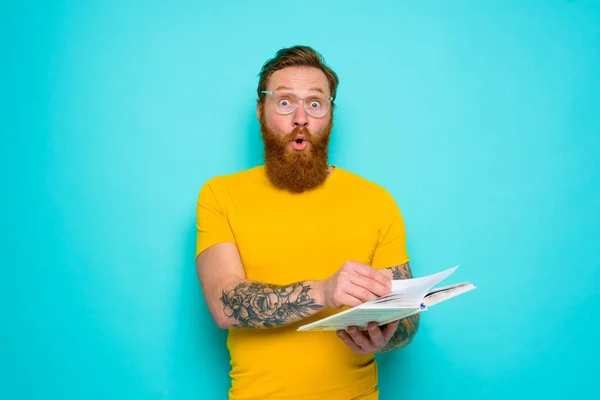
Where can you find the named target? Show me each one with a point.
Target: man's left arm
(407, 327)
(389, 337)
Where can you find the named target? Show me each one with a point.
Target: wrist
(318, 292)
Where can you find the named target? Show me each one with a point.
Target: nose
(300, 117)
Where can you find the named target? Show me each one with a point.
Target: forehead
(299, 79)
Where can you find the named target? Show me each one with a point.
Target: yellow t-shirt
(285, 238)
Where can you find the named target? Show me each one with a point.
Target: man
(293, 241)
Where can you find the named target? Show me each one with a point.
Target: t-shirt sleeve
(211, 218)
(391, 247)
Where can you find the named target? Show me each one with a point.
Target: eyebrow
(313, 89)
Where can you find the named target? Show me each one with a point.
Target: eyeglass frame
(271, 92)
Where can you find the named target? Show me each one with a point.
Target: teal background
(481, 118)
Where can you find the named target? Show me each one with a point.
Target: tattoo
(258, 305)
(407, 328)
(404, 334)
(401, 271)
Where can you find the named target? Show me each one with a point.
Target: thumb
(390, 329)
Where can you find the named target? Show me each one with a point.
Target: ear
(259, 107)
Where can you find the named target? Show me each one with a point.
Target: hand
(369, 341)
(353, 284)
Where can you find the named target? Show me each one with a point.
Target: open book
(408, 297)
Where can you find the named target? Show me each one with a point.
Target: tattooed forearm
(404, 334)
(401, 271)
(259, 305)
(407, 328)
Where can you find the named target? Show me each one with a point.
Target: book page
(359, 317)
(417, 287)
(447, 292)
(393, 300)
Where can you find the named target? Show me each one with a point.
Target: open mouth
(299, 143)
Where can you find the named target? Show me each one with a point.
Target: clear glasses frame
(310, 111)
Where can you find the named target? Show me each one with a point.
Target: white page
(394, 300)
(417, 287)
(447, 292)
(360, 317)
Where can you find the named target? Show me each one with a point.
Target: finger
(361, 339)
(358, 292)
(372, 285)
(389, 330)
(346, 299)
(372, 273)
(342, 334)
(376, 335)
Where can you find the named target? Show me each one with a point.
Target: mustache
(309, 137)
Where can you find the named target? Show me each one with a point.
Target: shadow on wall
(207, 367)
(253, 141)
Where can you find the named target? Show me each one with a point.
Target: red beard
(296, 170)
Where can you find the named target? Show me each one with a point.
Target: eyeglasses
(316, 105)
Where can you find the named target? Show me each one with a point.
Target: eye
(284, 102)
(315, 104)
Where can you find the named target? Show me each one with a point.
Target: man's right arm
(235, 301)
